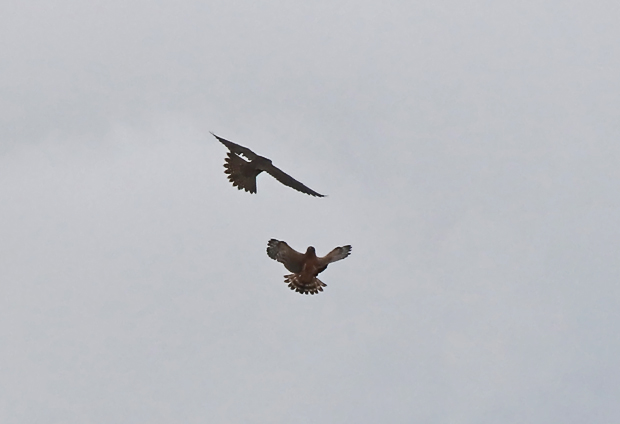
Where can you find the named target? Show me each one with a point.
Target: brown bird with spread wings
(304, 266)
(242, 174)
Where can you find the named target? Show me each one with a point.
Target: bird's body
(242, 174)
(304, 266)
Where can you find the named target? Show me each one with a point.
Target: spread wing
(335, 255)
(282, 252)
(287, 180)
(237, 149)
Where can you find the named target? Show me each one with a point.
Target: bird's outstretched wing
(287, 180)
(335, 255)
(285, 254)
(237, 149)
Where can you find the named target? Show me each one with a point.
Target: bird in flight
(304, 266)
(242, 174)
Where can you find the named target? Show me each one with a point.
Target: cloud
(469, 156)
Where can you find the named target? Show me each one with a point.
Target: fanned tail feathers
(295, 283)
(237, 168)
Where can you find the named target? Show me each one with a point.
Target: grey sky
(469, 151)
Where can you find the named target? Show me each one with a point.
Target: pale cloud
(469, 154)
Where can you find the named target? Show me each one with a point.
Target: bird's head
(310, 251)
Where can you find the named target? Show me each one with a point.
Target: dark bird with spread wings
(304, 266)
(242, 174)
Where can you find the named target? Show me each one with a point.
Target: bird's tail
(295, 283)
(239, 174)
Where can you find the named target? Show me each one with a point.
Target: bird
(304, 266)
(242, 174)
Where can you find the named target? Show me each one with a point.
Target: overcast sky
(470, 153)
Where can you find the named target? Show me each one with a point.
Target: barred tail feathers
(237, 170)
(294, 282)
